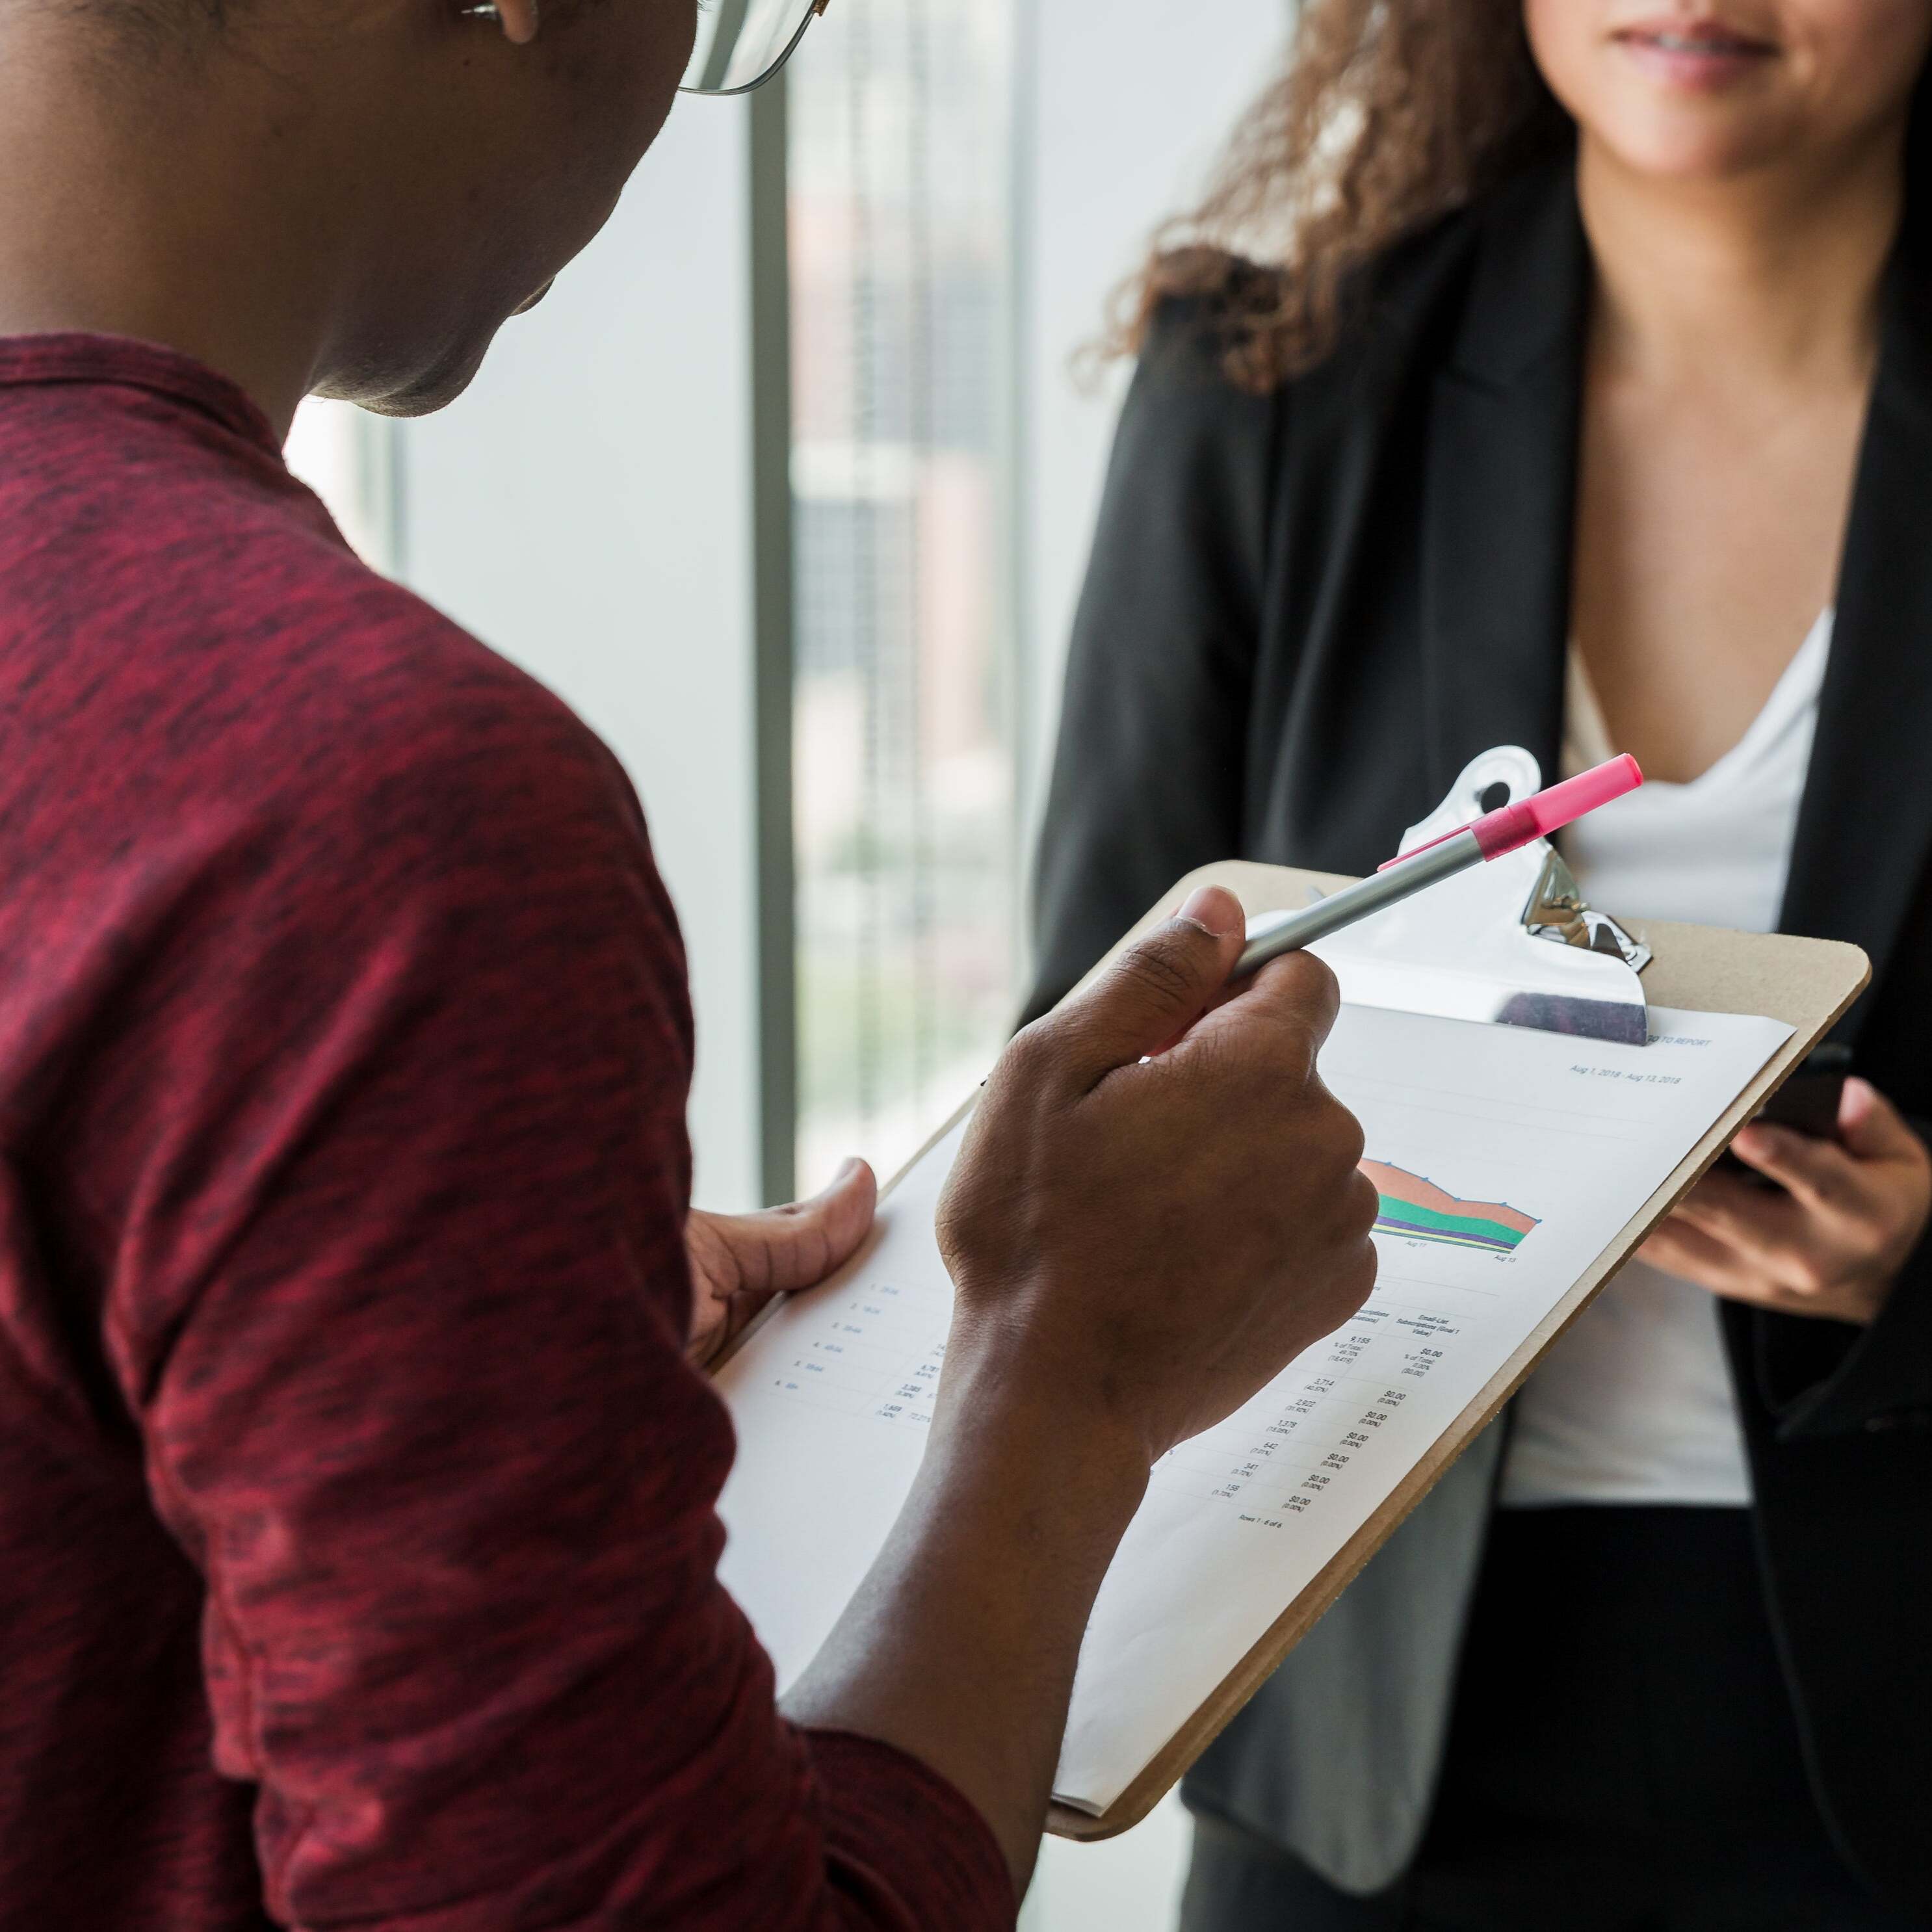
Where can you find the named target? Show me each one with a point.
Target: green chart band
(1414, 1206)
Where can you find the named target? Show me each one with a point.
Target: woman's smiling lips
(1701, 54)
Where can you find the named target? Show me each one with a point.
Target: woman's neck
(1769, 278)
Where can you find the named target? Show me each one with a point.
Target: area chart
(1415, 1207)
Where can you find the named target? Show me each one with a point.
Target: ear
(520, 20)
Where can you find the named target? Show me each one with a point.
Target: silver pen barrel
(1273, 933)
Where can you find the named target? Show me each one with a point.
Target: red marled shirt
(357, 1545)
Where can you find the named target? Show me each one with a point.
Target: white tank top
(1635, 1405)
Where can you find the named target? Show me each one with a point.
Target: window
(907, 859)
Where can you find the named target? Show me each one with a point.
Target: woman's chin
(1694, 147)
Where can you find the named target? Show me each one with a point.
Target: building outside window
(904, 754)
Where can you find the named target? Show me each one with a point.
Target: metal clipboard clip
(1511, 942)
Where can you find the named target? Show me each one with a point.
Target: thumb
(1160, 985)
(798, 1245)
(1870, 1128)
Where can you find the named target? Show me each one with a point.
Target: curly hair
(1389, 115)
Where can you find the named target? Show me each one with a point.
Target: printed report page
(1507, 1160)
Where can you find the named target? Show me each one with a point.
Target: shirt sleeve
(387, 1180)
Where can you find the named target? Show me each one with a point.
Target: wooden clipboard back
(1807, 983)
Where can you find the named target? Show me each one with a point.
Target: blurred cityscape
(903, 759)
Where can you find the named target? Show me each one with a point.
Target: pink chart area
(1414, 1207)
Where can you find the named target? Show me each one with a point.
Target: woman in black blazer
(1613, 327)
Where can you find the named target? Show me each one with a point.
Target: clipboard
(1515, 945)
(1510, 944)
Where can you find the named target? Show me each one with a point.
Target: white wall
(1123, 111)
(1127, 108)
(585, 509)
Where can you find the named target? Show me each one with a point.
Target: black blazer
(1305, 612)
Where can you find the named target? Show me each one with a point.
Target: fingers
(1835, 1177)
(1678, 1248)
(798, 1245)
(1872, 1129)
(843, 1209)
(1683, 1250)
(1773, 1250)
(1761, 1228)
(1821, 1175)
(1830, 1239)
(519, 19)
(1362, 1209)
(1156, 990)
(1295, 997)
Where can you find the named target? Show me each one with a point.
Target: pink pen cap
(1516, 825)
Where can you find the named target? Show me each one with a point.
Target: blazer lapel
(1864, 827)
(1501, 484)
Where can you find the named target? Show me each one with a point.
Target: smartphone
(1807, 1103)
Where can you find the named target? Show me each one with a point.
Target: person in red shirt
(358, 1544)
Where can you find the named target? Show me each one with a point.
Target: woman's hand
(739, 1261)
(1831, 1240)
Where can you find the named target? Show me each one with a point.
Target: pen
(1489, 837)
